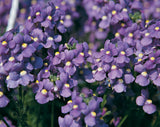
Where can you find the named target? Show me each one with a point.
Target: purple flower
(44, 93)
(119, 86)
(142, 100)
(143, 79)
(91, 112)
(67, 121)
(3, 100)
(115, 72)
(65, 84)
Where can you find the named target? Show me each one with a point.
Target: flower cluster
(122, 58)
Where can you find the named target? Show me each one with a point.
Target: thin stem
(52, 114)
(122, 121)
(20, 121)
(12, 14)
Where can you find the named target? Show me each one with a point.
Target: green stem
(52, 114)
(20, 113)
(122, 121)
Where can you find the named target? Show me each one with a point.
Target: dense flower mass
(100, 57)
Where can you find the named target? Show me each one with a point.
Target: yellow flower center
(24, 45)
(23, 10)
(4, 42)
(90, 52)
(57, 53)
(66, 85)
(107, 52)
(1, 64)
(32, 58)
(49, 17)
(93, 114)
(152, 58)
(130, 34)
(144, 73)
(122, 24)
(81, 72)
(114, 12)
(82, 54)
(7, 78)
(61, 21)
(140, 55)
(120, 80)
(139, 60)
(70, 101)
(124, 10)
(94, 7)
(117, 34)
(11, 59)
(37, 81)
(44, 91)
(37, 13)
(35, 39)
(147, 34)
(149, 101)
(46, 70)
(68, 17)
(45, 64)
(93, 23)
(100, 69)
(157, 28)
(157, 9)
(75, 106)
(63, 3)
(114, 67)
(1, 93)
(50, 38)
(29, 18)
(68, 63)
(104, 17)
(94, 71)
(147, 21)
(57, 7)
(128, 70)
(97, 60)
(123, 53)
(23, 72)
(100, 30)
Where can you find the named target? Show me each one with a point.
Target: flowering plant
(77, 63)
